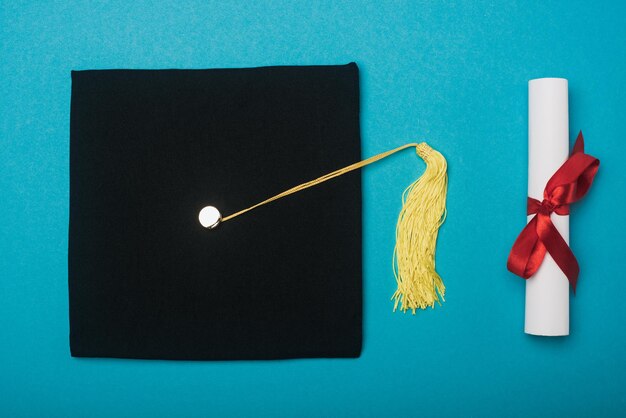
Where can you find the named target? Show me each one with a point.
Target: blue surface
(455, 74)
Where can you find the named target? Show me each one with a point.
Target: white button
(209, 217)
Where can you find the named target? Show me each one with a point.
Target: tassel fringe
(423, 212)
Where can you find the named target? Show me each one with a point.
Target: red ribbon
(568, 185)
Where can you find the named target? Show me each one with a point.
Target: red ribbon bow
(568, 184)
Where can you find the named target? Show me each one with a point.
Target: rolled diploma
(547, 292)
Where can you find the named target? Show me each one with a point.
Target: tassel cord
(323, 178)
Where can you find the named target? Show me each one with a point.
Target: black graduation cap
(154, 152)
(150, 149)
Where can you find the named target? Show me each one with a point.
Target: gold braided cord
(322, 179)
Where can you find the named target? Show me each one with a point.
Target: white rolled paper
(547, 291)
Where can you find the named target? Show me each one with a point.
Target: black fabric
(149, 149)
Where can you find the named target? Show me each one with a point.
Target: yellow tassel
(423, 212)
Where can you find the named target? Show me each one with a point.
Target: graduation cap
(216, 214)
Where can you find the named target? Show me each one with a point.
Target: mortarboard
(153, 152)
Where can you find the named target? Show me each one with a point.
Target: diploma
(547, 291)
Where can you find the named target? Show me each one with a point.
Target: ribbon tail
(579, 145)
(558, 249)
(527, 252)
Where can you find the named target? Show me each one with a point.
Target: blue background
(453, 73)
